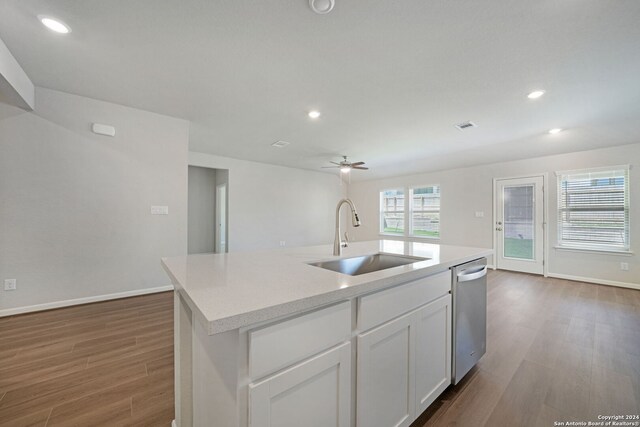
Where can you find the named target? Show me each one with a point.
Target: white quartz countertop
(233, 290)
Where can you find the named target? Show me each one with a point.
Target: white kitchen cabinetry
(385, 384)
(299, 370)
(285, 343)
(433, 351)
(405, 363)
(314, 393)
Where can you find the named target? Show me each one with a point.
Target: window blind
(593, 208)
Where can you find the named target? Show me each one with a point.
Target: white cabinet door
(314, 393)
(433, 351)
(385, 380)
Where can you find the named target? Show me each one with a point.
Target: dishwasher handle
(472, 274)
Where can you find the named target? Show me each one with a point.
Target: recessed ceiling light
(314, 114)
(555, 130)
(54, 24)
(322, 6)
(535, 94)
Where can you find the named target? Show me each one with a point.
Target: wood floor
(109, 363)
(557, 351)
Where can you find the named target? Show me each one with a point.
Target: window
(425, 211)
(593, 209)
(422, 212)
(392, 211)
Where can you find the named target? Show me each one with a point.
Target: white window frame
(625, 248)
(408, 212)
(411, 209)
(381, 212)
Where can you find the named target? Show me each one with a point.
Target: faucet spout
(338, 244)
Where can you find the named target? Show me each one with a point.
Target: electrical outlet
(624, 266)
(479, 214)
(283, 243)
(159, 210)
(10, 284)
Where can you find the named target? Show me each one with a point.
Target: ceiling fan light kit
(346, 166)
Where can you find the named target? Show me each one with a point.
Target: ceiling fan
(345, 165)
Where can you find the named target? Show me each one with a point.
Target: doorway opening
(208, 208)
(221, 218)
(519, 234)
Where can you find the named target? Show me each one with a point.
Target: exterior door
(519, 227)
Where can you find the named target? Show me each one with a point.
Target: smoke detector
(322, 7)
(466, 125)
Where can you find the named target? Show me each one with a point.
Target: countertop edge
(289, 308)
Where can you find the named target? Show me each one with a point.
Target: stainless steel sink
(366, 264)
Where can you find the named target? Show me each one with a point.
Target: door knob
(499, 228)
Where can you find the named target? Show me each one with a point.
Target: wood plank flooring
(108, 363)
(556, 351)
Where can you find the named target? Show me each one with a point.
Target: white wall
(75, 207)
(202, 210)
(268, 204)
(467, 190)
(15, 86)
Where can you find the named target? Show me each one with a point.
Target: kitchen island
(265, 338)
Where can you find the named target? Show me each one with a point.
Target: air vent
(280, 144)
(466, 125)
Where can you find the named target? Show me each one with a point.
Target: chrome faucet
(338, 244)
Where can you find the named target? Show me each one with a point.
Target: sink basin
(366, 264)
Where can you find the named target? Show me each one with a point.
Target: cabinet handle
(472, 274)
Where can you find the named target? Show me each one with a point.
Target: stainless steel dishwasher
(469, 295)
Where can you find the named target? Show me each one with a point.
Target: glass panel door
(519, 228)
(519, 216)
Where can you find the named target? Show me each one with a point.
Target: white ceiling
(390, 77)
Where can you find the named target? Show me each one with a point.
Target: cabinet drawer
(277, 346)
(379, 307)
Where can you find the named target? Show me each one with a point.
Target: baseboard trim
(86, 300)
(596, 281)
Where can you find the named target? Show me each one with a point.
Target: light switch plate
(105, 130)
(10, 284)
(159, 210)
(479, 214)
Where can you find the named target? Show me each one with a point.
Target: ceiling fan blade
(338, 164)
(329, 167)
(357, 163)
(360, 167)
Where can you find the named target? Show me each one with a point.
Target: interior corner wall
(466, 191)
(15, 86)
(75, 220)
(269, 204)
(201, 213)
